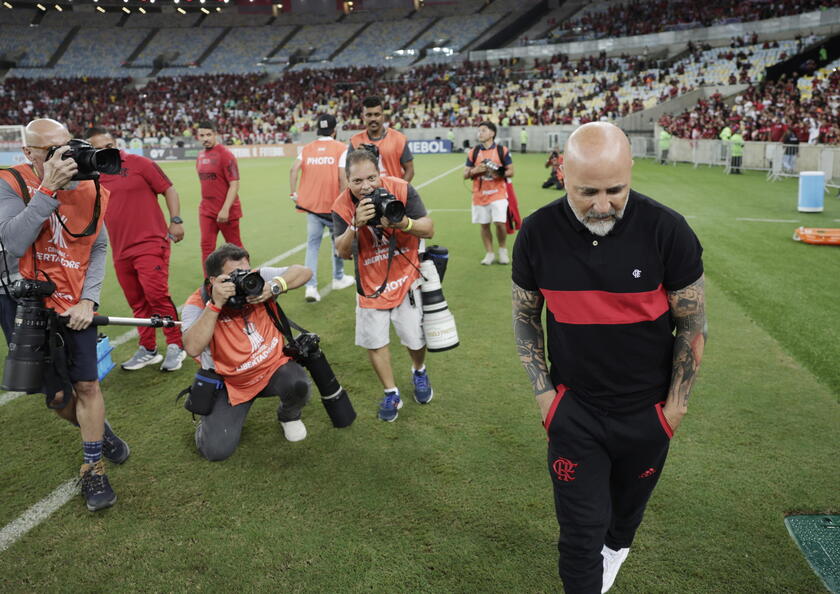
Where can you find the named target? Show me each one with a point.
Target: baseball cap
(325, 124)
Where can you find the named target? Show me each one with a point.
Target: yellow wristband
(409, 226)
(282, 282)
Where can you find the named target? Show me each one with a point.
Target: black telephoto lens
(24, 368)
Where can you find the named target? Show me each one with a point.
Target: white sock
(421, 370)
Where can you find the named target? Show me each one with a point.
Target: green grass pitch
(454, 496)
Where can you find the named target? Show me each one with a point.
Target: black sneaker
(114, 448)
(96, 489)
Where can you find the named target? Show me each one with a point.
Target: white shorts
(373, 326)
(495, 212)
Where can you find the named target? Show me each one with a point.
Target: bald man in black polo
(618, 273)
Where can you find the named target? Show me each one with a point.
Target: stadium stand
(244, 48)
(30, 46)
(19, 16)
(97, 52)
(162, 19)
(184, 46)
(67, 19)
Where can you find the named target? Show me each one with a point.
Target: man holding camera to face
(380, 221)
(229, 325)
(489, 166)
(43, 211)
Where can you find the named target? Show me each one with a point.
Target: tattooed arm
(530, 343)
(688, 308)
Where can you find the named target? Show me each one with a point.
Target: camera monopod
(155, 321)
(33, 344)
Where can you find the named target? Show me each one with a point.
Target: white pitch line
(749, 220)
(42, 510)
(36, 514)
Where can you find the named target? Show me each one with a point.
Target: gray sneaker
(142, 358)
(175, 355)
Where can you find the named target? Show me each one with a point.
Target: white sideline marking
(36, 514)
(749, 220)
(42, 510)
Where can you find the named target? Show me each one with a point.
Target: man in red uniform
(321, 180)
(395, 158)
(220, 209)
(140, 247)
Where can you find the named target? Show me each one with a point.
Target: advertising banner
(428, 147)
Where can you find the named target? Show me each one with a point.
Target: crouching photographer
(51, 218)
(379, 221)
(229, 324)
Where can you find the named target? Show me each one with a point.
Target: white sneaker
(488, 258)
(343, 282)
(503, 256)
(141, 358)
(294, 430)
(612, 563)
(312, 294)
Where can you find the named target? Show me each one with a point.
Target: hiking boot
(96, 489)
(114, 448)
(142, 358)
(343, 282)
(389, 406)
(423, 392)
(612, 563)
(312, 295)
(175, 356)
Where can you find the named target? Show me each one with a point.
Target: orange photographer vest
(488, 188)
(247, 348)
(62, 257)
(391, 148)
(319, 175)
(373, 252)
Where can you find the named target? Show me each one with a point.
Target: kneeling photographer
(44, 205)
(379, 222)
(227, 324)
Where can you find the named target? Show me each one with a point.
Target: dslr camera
(494, 168)
(91, 161)
(371, 148)
(385, 205)
(248, 283)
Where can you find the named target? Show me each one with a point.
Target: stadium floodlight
(100, 9)
(7, 5)
(42, 7)
(202, 1)
(204, 10)
(58, 8)
(126, 10)
(218, 9)
(181, 10)
(142, 10)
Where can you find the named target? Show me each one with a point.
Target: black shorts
(81, 348)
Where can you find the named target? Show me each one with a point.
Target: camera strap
(392, 248)
(58, 361)
(282, 322)
(94, 221)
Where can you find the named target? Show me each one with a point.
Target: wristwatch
(177, 220)
(275, 288)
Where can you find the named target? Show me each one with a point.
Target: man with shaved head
(618, 272)
(54, 225)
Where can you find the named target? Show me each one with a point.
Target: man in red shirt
(140, 247)
(218, 174)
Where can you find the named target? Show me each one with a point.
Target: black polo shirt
(609, 328)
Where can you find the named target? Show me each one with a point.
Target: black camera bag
(202, 394)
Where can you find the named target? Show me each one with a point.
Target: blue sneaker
(389, 406)
(423, 392)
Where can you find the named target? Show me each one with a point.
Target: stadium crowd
(766, 112)
(641, 17)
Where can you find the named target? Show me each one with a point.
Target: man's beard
(597, 223)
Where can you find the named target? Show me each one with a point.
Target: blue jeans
(314, 231)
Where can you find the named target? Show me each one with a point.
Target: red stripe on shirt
(603, 307)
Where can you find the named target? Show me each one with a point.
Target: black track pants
(604, 467)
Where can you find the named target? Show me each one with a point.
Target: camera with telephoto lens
(305, 349)
(248, 283)
(25, 364)
(91, 161)
(439, 327)
(494, 168)
(385, 205)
